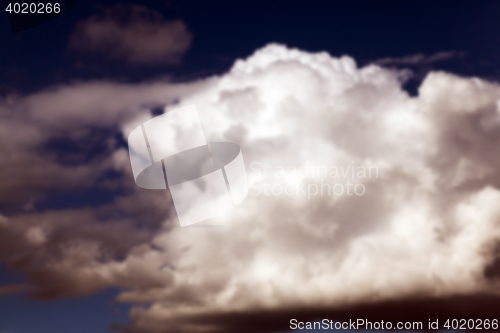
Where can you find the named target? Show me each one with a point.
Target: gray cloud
(47, 243)
(133, 33)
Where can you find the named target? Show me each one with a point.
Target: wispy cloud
(419, 59)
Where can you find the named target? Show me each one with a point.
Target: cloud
(427, 225)
(14, 289)
(60, 149)
(34, 128)
(419, 59)
(132, 33)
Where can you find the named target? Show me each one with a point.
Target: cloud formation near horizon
(427, 225)
(132, 33)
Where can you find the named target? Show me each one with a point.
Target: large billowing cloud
(426, 223)
(133, 33)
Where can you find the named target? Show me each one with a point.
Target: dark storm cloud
(133, 33)
(278, 320)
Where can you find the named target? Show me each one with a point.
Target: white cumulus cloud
(426, 224)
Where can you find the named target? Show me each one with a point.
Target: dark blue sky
(226, 30)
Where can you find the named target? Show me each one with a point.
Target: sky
(399, 99)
